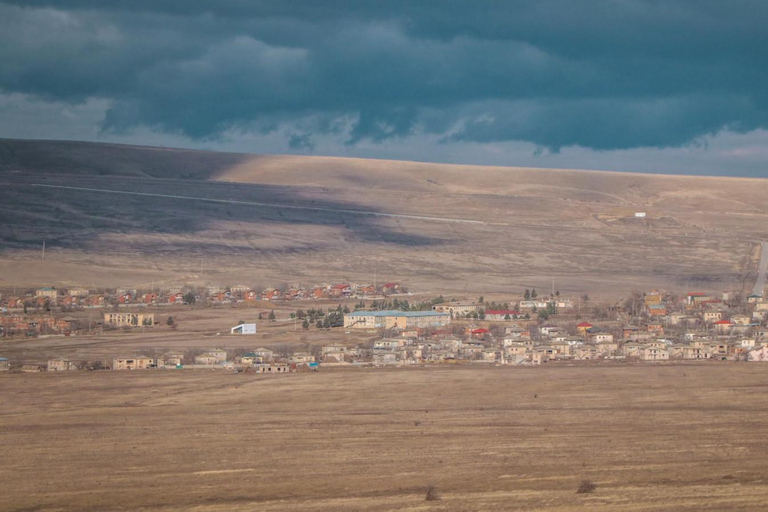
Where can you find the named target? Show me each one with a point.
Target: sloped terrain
(120, 215)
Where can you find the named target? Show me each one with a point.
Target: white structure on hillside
(244, 329)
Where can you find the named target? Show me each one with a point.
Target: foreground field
(650, 437)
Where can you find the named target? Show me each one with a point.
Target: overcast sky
(647, 85)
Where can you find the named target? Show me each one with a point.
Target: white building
(243, 329)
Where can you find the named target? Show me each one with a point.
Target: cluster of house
(35, 324)
(518, 345)
(323, 291)
(523, 309)
(48, 297)
(260, 360)
(698, 326)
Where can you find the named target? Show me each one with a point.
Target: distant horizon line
(393, 159)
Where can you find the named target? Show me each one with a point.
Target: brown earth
(672, 437)
(273, 220)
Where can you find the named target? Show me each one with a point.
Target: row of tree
(400, 305)
(334, 318)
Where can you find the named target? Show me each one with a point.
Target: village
(395, 327)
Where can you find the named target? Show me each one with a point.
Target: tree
(551, 308)
(481, 299)
(507, 317)
(557, 293)
(305, 325)
(170, 321)
(585, 298)
(543, 314)
(527, 294)
(634, 303)
(293, 315)
(190, 297)
(534, 294)
(272, 315)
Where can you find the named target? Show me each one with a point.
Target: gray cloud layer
(598, 74)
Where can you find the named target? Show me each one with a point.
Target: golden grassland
(651, 437)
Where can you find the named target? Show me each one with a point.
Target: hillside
(125, 215)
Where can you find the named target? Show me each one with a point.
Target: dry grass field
(272, 220)
(675, 437)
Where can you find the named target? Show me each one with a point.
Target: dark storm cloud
(603, 75)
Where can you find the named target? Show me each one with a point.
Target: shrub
(432, 493)
(586, 486)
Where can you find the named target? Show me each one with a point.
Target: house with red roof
(294, 294)
(479, 332)
(366, 289)
(387, 288)
(584, 327)
(271, 294)
(319, 292)
(723, 326)
(341, 290)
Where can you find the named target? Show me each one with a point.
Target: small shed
(244, 329)
(5, 364)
